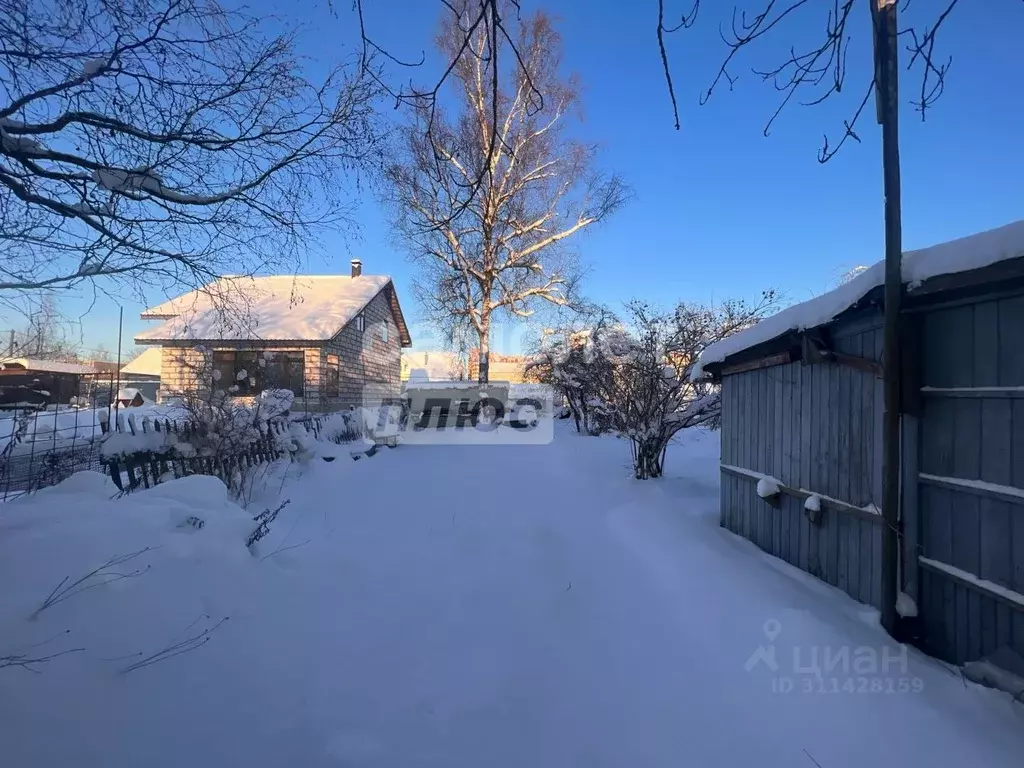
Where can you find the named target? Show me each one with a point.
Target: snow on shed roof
(961, 255)
(276, 308)
(146, 364)
(47, 366)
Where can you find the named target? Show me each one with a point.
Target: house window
(384, 331)
(284, 370)
(332, 387)
(360, 322)
(249, 372)
(223, 370)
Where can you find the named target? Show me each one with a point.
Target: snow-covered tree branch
(653, 395)
(164, 142)
(487, 198)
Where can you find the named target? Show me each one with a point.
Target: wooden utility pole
(883, 14)
(114, 393)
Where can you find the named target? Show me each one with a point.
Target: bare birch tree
(487, 197)
(158, 142)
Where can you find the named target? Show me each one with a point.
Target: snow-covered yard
(64, 427)
(452, 606)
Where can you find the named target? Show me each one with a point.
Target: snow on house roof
(47, 366)
(277, 308)
(961, 255)
(146, 364)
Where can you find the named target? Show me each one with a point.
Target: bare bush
(652, 394)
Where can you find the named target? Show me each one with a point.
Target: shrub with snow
(651, 394)
(341, 427)
(274, 403)
(297, 442)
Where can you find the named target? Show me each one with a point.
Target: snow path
(514, 606)
(541, 608)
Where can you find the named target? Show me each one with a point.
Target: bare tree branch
(687, 20)
(155, 142)
(815, 68)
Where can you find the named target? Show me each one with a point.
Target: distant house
(510, 368)
(145, 367)
(333, 340)
(29, 382)
(143, 373)
(432, 366)
(801, 463)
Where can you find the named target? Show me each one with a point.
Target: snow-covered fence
(347, 426)
(39, 448)
(42, 448)
(159, 450)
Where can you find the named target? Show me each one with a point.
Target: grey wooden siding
(816, 427)
(972, 435)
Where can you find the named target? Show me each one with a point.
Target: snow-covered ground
(453, 606)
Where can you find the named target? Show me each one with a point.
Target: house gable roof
(271, 308)
(146, 364)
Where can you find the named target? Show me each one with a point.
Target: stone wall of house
(370, 366)
(183, 370)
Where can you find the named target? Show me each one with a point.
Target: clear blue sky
(720, 210)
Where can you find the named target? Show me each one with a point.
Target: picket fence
(54, 446)
(144, 469)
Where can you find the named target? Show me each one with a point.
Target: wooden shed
(34, 383)
(802, 411)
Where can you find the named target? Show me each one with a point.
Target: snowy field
(452, 606)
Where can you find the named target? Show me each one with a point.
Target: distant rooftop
(43, 366)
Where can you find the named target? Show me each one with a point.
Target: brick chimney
(357, 267)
